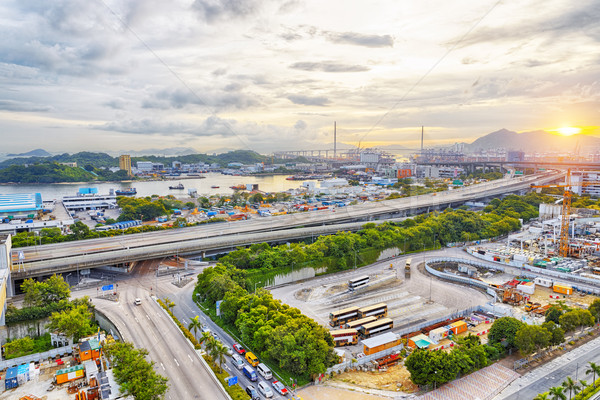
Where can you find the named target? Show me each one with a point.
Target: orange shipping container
(458, 327)
(563, 289)
(69, 374)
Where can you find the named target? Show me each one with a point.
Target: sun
(568, 130)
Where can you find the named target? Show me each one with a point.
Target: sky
(262, 75)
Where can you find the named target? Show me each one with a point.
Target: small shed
(458, 327)
(89, 350)
(380, 343)
(438, 334)
(526, 287)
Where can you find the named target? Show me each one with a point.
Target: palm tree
(557, 393)
(218, 354)
(210, 346)
(205, 336)
(583, 384)
(571, 386)
(593, 369)
(194, 325)
(541, 396)
(169, 303)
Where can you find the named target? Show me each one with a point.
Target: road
(186, 309)
(541, 379)
(176, 239)
(150, 327)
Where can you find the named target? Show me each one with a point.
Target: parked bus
(357, 282)
(376, 327)
(376, 310)
(342, 317)
(344, 337)
(360, 322)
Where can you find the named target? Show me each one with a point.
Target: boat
(178, 187)
(126, 192)
(238, 187)
(214, 187)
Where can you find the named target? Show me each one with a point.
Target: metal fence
(363, 360)
(59, 351)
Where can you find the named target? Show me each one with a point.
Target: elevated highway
(70, 256)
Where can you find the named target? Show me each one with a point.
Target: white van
(264, 371)
(238, 361)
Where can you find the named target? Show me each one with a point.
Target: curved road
(150, 327)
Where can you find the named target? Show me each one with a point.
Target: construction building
(125, 163)
(5, 266)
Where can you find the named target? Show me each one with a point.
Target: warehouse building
(20, 205)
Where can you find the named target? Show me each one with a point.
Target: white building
(586, 176)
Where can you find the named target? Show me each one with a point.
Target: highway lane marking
(190, 358)
(176, 362)
(163, 367)
(147, 316)
(227, 368)
(136, 320)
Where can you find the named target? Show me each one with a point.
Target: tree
(541, 396)
(136, 375)
(504, 330)
(553, 314)
(574, 319)
(79, 230)
(74, 323)
(593, 369)
(218, 355)
(18, 347)
(531, 338)
(557, 393)
(169, 303)
(571, 386)
(557, 334)
(194, 325)
(594, 309)
(52, 290)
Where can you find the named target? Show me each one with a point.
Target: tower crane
(566, 209)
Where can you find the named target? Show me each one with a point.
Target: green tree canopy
(75, 322)
(504, 330)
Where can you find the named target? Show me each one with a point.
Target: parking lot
(410, 299)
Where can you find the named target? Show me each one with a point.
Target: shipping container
(11, 381)
(458, 327)
(562, 289)
(380, 343)
(69, 374)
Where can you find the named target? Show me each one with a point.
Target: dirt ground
(542, 296)
(331, 393)
(396, 377)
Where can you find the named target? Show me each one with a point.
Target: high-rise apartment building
(125, 163)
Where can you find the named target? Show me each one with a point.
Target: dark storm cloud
(20, 106)
(308, 101)
(213, 10)
(328, 67)
(359, 39)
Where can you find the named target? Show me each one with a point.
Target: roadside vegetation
(134, 373)
(52, 172)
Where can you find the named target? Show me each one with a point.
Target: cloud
(212, 126)
(213, 10)
(22, 106)
(359, 39)
(328, 66)
(300, 125)
(308, 101)
(115, 104)
(230, 98)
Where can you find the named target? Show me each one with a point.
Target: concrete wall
(107, 325)
(17, 331)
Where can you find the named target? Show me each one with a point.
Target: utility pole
(334, 139)
(421, 139)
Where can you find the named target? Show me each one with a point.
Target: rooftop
(379, 340)
(20, 202)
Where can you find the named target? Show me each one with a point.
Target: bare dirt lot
(396, 377)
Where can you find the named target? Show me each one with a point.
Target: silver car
(264, 388)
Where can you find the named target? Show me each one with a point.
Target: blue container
(11, 380)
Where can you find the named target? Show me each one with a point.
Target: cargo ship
(126, 192)
(178, 187)
(238, 187)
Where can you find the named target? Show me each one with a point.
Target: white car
(265, 389)
(138, 302)
(228, 350)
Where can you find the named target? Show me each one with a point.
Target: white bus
(357, 282)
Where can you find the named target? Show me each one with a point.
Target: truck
(532, 306)
(541, 311)
(407, 265)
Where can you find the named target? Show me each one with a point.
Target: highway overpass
(70, 256)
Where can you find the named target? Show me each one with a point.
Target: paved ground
(407, 297)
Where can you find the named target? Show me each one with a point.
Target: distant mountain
(534, 141)
(32, 153)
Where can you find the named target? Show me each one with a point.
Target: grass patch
(235, 391)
